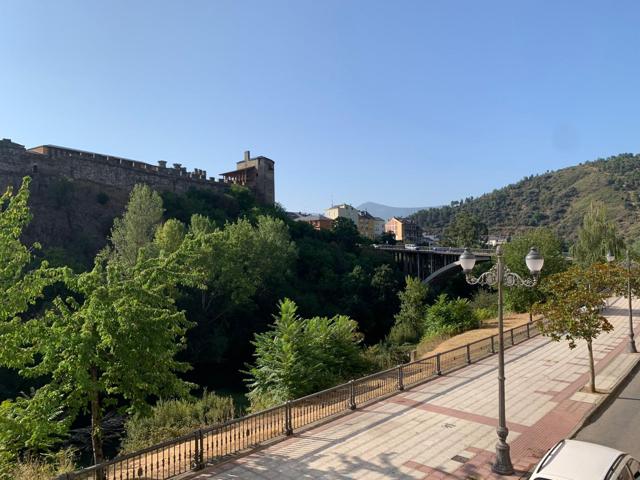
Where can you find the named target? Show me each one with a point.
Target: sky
(405, 103)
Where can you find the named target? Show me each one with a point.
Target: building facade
(343, 210)
(370, 226)
(404, 230)
(257, 174)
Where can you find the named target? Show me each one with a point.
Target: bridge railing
(216, 443)
(442, 250)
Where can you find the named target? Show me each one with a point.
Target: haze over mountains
(386, 212)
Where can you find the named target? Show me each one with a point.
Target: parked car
(411, 246)
(577, 460)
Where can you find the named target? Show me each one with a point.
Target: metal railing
(209, 445)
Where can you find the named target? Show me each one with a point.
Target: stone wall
(101, 169)
(75, 196)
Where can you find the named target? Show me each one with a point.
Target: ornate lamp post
(632, 344)
(500, 276)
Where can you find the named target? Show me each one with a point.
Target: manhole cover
(460, 458)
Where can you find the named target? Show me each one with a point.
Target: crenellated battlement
(123, 172)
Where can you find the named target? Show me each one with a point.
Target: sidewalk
(446, 428)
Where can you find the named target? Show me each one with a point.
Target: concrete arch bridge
(428, 263)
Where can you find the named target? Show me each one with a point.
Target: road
(619, 425)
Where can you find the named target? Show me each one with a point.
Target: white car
(577, 460)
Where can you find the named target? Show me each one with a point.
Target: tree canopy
(573, 307)
(596, 237)
(298, 356)
(522, 299)
(465, 230)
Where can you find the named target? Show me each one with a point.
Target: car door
(634, 468)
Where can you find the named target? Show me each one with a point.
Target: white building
(343, 210)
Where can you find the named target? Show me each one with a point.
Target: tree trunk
(96, 419)
(530, 316)
(592, 369)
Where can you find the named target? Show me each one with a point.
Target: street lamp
(499, 275)
(632, 344)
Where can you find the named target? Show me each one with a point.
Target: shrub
(44, 467)
(486, 300)
(299, 356)
(483, 314)
(449, 317)
(385, 355)
(172, 418)
(409, 321)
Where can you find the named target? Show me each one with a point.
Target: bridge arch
(428, 263)
(448, 268)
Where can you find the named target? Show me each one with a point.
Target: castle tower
(257, 174)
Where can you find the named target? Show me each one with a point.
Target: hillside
(556, 199)
(386, 212)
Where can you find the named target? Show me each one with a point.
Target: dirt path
(489, 327)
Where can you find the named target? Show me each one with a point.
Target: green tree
(596, 237)
(409, 321)
(387, 238)
(572, 310)
(464, 230)
(346, 232)
(112, 342)
(23, 423)
(522, 299)
(170, 235)
(137, 225)
(240, 259)
(300, 356)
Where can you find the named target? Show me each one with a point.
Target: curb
(601, 405)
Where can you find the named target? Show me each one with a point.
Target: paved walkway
(446, 427)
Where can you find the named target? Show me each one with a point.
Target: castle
(16, 161)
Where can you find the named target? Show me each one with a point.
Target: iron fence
(210, 445)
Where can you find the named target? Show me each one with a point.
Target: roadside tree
(573, 307)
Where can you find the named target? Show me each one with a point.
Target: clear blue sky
(407, 103)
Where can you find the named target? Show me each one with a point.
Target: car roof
(573, 459)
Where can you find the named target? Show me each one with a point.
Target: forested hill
(556, 199)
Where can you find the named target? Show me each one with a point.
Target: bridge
(427, 263)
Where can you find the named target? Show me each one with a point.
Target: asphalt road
(618, 426)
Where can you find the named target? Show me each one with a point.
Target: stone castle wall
(17, 161)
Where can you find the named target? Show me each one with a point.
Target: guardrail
(210, 445)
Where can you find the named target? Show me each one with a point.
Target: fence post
(493, 347)
(468, 354)
(400, 378)
(528, 334)
(438, 366)
(352, 395)
(512, 342)
(288, 424)
(198, 457)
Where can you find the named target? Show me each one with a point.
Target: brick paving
(446, 428)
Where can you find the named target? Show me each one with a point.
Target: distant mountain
(386, 212)
(557, 199)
